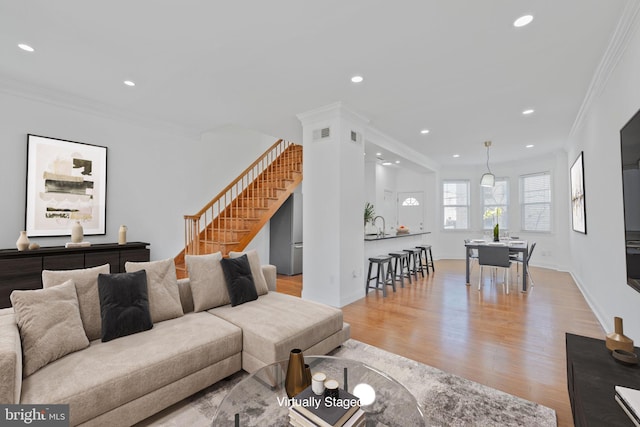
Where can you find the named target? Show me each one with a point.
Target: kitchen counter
(376, 246)
(374, 237)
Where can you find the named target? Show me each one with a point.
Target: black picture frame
(578, 202)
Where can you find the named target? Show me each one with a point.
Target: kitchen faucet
(384, 227)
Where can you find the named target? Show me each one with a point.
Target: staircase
(234, 217)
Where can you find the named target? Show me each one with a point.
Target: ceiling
(456, 67)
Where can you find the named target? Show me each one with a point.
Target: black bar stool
(382, 278)
(414, 255)
(401, 258)
(428, 257)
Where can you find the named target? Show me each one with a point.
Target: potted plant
(495, 213)
(369, 213)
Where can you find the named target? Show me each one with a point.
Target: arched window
(410, 201)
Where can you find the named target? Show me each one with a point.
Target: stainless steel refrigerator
(286, 236)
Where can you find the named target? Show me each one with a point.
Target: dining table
(517, 247)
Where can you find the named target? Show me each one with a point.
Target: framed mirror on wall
(630, 153)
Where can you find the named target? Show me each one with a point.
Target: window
(495, 204)
(535, 191)
(455, 205)
(410, 201)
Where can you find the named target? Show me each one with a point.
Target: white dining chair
(497, 257)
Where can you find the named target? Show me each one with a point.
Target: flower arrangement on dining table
(495, 213)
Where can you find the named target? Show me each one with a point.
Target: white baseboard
(592, 305)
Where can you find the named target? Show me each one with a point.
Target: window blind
(535, 193)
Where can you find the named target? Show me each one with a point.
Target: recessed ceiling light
(529, 146)
(357, 79)
(527, 112)
(397, 162)
(522, 21)
(129, 83)
(424, 131)
(455, 156)
(26, 47)
(386, 163)
(378, 154)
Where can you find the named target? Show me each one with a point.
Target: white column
(333, 204)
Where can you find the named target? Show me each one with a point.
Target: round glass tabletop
(261, 399)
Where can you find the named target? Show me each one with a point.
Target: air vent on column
(356, 136)
(321, 134)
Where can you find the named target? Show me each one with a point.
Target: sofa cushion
(49, 323)
(239, 280)
(275, 323)
(10, 360)
(186, 297)
(256, 269)
(124, 304)
(86, 281)
(162, 283)
(107, 375)
(207, 281)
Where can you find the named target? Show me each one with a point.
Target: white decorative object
(23, 241)
(122, 235)
(77, 245)
(77, 233)
(317, 382)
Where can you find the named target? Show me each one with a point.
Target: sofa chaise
(197, 338)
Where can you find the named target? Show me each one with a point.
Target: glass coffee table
(260, 399)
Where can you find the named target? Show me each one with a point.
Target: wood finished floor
(514, 343)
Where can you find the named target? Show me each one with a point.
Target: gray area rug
(447, 400)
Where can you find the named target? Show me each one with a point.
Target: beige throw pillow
(206, 277)
(256, 270)
(162, 284)
(50, 324)
(86, 281)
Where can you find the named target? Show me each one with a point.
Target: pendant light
(488, 179)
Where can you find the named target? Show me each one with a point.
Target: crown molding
(84, 105)
(330, 111)
(627, 26)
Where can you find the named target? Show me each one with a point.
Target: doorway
(411, 210)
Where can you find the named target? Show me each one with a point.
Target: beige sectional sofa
(128, 379)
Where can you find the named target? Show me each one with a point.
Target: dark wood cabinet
(23, 270)
(592, 375)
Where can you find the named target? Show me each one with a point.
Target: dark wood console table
(23, 270)
(592, 375)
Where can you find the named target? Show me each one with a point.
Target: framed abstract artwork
(578, 207)
(66, 182)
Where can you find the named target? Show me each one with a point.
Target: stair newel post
(211, 226)
(186, 235)
(196, 235)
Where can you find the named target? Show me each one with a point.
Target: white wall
(154, 176)
(598, 258)
(396, 179)
(386, 180)
(551, 248)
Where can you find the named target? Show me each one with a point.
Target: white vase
(23, 241)
(122, 235)
(77, 233)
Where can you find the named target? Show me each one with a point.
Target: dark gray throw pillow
(240, 284)
(124, 304)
